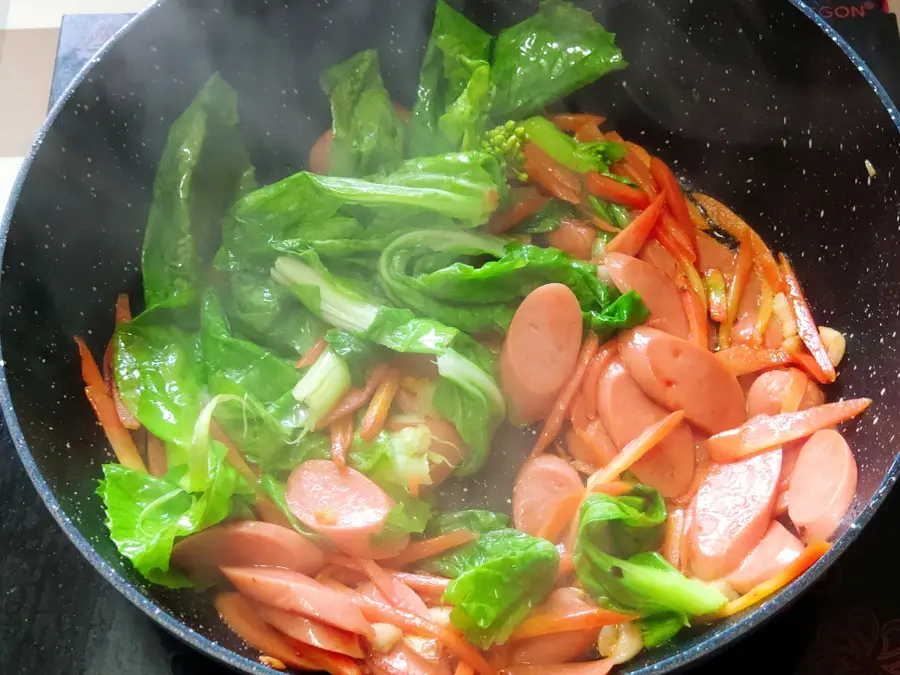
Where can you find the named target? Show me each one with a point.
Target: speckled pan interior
(749, 100)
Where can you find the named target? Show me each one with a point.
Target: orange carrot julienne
(233, 454)
(378, 612)
(672, 543)
(563, 514)
(670, 236)
(341, 438)
(806, 325)
(129, 421)
(766, 304)
(589, 133)
(123, 308)
(764, 432)
(640, 153)
(722, 216)
(808, 363)
(380, 405)
(664, 177)
(355, 399)
(765, 263)
(744, 360)
(614, 488)
(632, 166)
(120, 440)
(609, 189)
(394, 590)
(742, 268)
(577, 415)
(637, 448)
(418, 581)
(696, 316)
(555, 420)
(463, 668)
(90, 372)
(575, 121)
(701, 468)
(630, 240)
(807, 558)
(697, 217)
(540, 624)
(426, 548)
(591, 385)
(312, 354)
(526, 202)
(553, 177)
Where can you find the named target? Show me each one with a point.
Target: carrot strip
(123, 308)
(380, 405)
(90, 372)
(341, 439)
(379, 612)
(632, 166)
(354, 399)
(669, 234)
(330, 662)
(591, 385)
(794, 391)
(123, 314)
(696, 316)
(615, 488)
(312, 354)
(743, 360)
(555, 420)
(742, 269)
(637, 448)
(766, 303)
(426, 548)
(612, 190)
(526, 202)
(630, 240)
(157, 461)
(550, 175)
(664, 177)
(806, 325)
(640, 153)
(810, 555)
(722, 216)
(577, 415)
(765, 263)
(391, 588)
(574, 121)
(701, 468)
(808, 363)
(120, 440)
(540, 624)
(234, 456)
(589, 133)
(699, 220)
(564, 513)
(716, 295)
(128, 420)
(768, 431)
(463, 668)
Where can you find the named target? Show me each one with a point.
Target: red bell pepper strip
(674, 197)
(612, 190)
(630, 240)
(550, 175)
(806, 325)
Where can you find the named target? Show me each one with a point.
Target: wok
(757, 102)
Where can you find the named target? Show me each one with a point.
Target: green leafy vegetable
(548, 219)
(548, 56)
(505, 142)
(614, 562)
(660, 628)
(145, 515)
(368, 137)
(473, 520)
(625, 312)
(196, 181)
(359, 355)
(323, 385)
(580, 157)
(497, 580)
(454, 96)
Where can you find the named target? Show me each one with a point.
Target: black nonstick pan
(756, 102)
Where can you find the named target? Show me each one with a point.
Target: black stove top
(58, 616)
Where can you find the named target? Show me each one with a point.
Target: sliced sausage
(732, 511)
(295, 592)
(658, 292)
(447, 443)
(682, 376)
(246, 544)
(402, 596)
(310, 632)
(789, 454)
(655, 254)
(402, 659)
(344, 506)
(601, 667)
(777, 549)
(767, 391)
(241, 617)
(748, 311)
(822, 485)
(540, 350)
(575, 237)
(542, 483)
(596, 448)
(625, 411)
(712, 254)
(560, 647)
(320, 153)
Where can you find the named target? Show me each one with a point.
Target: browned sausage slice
(542, 483)
(732, 511)
(775, 552)
(626, 412)
(246, 544)
(658, 292)
(682, 376)
(540, 350)
(344, 506)
(822, 485)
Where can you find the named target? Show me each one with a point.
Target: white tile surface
(48, 13)
(9, 168)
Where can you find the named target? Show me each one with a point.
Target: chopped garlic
(439, 616)
(835, 344)
(620, 643)
(385, 636)
(782, 311)
(272, 662)
(870, 169)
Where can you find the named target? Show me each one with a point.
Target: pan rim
(702, 649)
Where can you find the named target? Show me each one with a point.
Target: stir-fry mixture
(317, 355)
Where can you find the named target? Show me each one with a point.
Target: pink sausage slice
(540, 350)
(765, 394)
(560, 647)
(732, 511)
(295, 592)
(601, 667)
(246, 544)
(777, 549)
(681, 376)
(447, 443)
(402, 659)
(542, 483)
(625, 412)
(712, 254)
(822, 485)
(748, 311)
(655, 254)
(789, 454)
(657, 291)
(344, 506)
(239, 615)
(310, 632)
